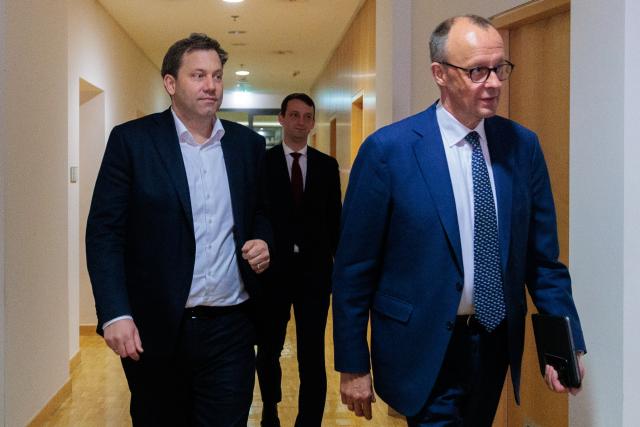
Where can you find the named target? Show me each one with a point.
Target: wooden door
(538, 41)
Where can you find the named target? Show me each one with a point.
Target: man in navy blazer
(409, 252)
(176, 236)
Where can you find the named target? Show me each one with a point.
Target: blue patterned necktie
(488, 297)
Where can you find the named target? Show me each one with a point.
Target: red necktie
(296, 180)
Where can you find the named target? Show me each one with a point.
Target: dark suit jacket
(400, 254)
(318, 223)
(140, 239)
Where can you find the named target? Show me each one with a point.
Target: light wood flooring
(100, 396)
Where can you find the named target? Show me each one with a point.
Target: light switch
(73, 174)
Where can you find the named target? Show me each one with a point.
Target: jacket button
(459, 286)
(449, 325)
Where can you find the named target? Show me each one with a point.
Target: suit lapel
(502, 165)
(280, 174)
(311, 177)
(429, 152)
(168, 146)
(231, 151)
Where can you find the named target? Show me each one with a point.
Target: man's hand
(554, 384)
(357, 393)
(256, 252)
(122, 337)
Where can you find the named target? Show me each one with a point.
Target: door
(537, 38)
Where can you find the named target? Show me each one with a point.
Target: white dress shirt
(458, 152)
(216, 274)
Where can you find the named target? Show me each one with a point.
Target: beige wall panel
(350, 71)
(33, 135)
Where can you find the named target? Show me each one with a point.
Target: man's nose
(209, 83)
(493, 80)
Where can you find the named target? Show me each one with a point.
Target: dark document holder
(554, 343)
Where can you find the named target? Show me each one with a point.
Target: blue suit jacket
(400, 261)
(140, 239)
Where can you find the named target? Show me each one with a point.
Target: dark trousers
(310, 310)
(467, 390)
(209, 382)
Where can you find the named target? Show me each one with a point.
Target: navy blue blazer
(140, 239)
(400, 258)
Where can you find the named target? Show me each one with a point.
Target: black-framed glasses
(481, 74)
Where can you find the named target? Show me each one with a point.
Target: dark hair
(439, 37)
(302, 97)
(196, 41)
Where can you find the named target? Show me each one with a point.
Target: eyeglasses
(481, 74)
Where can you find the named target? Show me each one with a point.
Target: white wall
(101, 53)
(393, 70)
(604, 238)
(34, 139)
(3, 76)
(631, 337)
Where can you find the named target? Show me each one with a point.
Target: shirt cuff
(112, 321)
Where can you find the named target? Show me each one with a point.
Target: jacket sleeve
(334, 205)
(547, 278)
(106, 231)
(359, 257)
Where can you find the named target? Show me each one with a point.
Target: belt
(211, 312)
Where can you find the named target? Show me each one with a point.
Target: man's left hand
(553, 382)
(256, 252)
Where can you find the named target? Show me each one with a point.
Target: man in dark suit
(303, 193)
(175, 237)
(448, 214)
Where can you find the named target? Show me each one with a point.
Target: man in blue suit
(448, 214)
(176, 236)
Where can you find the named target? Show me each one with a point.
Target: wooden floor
(100, 396)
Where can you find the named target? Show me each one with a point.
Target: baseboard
(74, 362)
(87, 330)
(52, 406)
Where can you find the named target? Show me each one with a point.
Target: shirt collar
(288, 150)
(185, 137)
(453, 132)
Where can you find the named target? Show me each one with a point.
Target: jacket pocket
(392, 307)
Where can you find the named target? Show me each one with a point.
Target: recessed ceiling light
(242, 73)
(233, 1)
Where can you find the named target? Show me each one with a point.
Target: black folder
(554, 343)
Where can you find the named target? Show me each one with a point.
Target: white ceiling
(283, 37)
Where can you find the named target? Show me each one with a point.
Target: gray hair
(439, 37)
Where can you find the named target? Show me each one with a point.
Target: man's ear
(280, 119)
(169, 84)
(439, 75)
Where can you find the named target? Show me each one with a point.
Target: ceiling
(284, 43)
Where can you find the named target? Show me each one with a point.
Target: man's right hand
(357, 393)
(122, 337)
